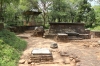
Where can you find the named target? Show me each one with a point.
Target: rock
(78, 64)
(91, 46)
(86, 46)
(66, 60)
(22, 61)
(99, 42)
(32, 64)
(73, 63)
(29, 61)
(77, 60)
(54, 45)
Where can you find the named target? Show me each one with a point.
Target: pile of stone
(69, 59)
(41, 55)
(96, 44)
(38, 32)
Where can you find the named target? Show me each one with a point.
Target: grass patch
(11, 47)
(96, 28)
(11, 39)
(8, 55)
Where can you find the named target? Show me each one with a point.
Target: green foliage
(8, 55)
(97, 12)
(60, 10)
(96, 28)
(10, 38)
(10, 48)
(52, 11)
(47, 26)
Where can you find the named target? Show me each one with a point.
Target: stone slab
(41, 51)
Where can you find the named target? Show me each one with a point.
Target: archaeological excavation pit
(41, 55)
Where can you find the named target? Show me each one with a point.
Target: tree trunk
(59, 20)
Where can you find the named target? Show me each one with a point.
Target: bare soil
(87, 51)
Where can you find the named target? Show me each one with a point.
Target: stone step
(74, 38)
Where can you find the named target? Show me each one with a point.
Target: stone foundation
(41, 55)
(95, 34)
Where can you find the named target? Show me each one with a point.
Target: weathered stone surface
(99, 42)
(41, 55)
(54, 45)
(66, 60)
(22, 61)
(29, 61)
(95, 34)
(62, 37)
(73, 63)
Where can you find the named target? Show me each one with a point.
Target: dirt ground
(87, 51)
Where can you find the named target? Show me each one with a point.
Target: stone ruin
(41, 55)
(67, 31)
(38, 31)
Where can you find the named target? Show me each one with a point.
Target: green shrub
(8, 55)
(46, 26)
(11, 39)
(97, 28)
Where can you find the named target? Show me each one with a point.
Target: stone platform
(41, 55)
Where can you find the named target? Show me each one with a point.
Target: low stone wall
(19, 29)
(67, 27)
(1, 26)
(95, 34)
(87, 31)
(51, 36)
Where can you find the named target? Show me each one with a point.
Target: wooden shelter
(29, 13)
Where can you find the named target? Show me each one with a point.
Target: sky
(93, 3)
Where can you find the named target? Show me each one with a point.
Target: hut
(29, 15)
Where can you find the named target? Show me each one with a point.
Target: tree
(60, 11)
(97, 13)
(84, 10)
(4, 4)
(44, 6)
(39, 6)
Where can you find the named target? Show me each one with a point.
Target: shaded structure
(28, 25)
(30, 14)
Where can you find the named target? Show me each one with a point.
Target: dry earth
(87, 51)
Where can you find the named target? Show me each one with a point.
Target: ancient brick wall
(67, 27)
(95, 34)
(20, 29)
